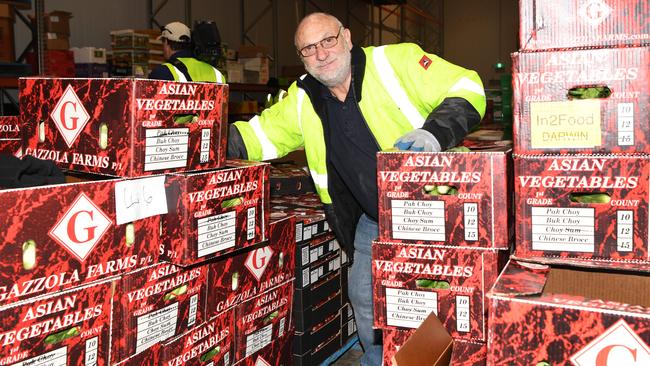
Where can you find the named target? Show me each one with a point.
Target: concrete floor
(351, 357)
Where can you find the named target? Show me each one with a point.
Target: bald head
(315, 20)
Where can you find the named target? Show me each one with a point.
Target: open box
(557, 314)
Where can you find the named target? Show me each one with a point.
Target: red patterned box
(278, 354)
(61, 236)
(156, 304)
(463, 353)
(556, 221)
(561, 315)
(125, 127)
(10, 140)
(411, 280)
(235, 279)
(580, 23)
(472, 210)
(216, 212)
(71, 327)
(212, 343)
(552, 114)
(262, 319)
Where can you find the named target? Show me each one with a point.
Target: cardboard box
(319, 354)
(279, 353)
(313, 273)
(216, 212)
(61, 236)
(67, 328)
(7, 50)
(155, 304)
(425, 350)
(10, 140)
(348, 330)
(410, 281)
(124, 127)
(548, 118)
(246, 51)
(412, 209)
(211, 343)
(247, 274)
(262, 319)
(54, 41)
(127, 58)
(57, 21)
(569, 24)
(563, 315)
(290, 179)
(306, 318)
(314, 294)
(129, 39)
(57, 63)
(89, 55)
(150, 356)
(325, 329)
(235, 72)
(553, 222)
(309, 212)
(315, 249)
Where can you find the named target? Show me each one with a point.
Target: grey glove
(418, 140)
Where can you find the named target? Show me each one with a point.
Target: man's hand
(418, 140)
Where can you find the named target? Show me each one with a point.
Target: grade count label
(563, 229)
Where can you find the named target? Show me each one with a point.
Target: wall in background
(472, 36)
(478, 33)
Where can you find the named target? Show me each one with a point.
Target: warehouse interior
(324, 182)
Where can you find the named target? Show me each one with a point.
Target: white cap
(174, 31)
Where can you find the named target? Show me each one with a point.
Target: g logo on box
(618, 345)
(594, 12)
(81, 227)
(70, 116)
(258, 260)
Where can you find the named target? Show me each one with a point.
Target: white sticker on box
(462, 313)
(305, 255)
(306, 233)
(156, 326)
(470, 220)
(259, 339)
(166, 148)
(205, 145)
(226, 359)
(194, 302)
(216, 233)
(305, 277)
(418, 220)
(250, 223)
(92, 344)
(409, 308)
(315, 275)
(625, 124)
(563, 229)
(314, 230)
(58, 357)
(326, 226)
(137, 199)
(313, 255)
(624, 230)
(298, 232)
(281, 327)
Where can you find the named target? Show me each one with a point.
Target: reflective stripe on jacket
(402, 85)
(198, 70)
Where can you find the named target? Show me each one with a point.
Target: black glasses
(328, 42)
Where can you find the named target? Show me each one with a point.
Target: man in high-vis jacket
(181, 64)
(353, 103)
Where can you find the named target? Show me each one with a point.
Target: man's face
(330, 66)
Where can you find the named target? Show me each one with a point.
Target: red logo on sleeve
(425, 62)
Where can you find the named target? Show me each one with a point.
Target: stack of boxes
(156, 250)
(576, 288)
(255, 61)
(444, 235)
(90, 62)
(58, 59)
(323, 322)
(130, 53)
